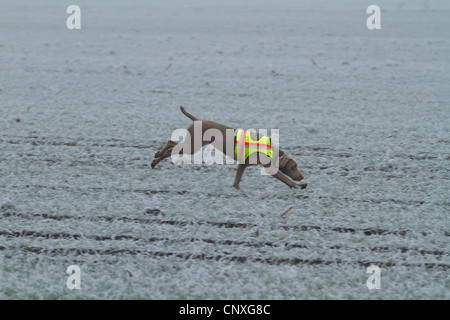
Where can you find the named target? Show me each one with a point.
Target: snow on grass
(364, 114)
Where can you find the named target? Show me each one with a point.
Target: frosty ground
(364, 113)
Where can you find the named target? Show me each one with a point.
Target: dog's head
(288, 166)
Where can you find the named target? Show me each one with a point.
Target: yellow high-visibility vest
(245, 146)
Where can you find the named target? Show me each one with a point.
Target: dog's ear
(283, 160)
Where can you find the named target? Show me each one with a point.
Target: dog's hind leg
(167, 154)
(185, 147)
(170, 144)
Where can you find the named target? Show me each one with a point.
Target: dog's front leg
(240, 170)
(286, 180)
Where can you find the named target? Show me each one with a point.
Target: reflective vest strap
(257, 144)
(240, 143)
(245, 145)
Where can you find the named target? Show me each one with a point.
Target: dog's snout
(299, 177)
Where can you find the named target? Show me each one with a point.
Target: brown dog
(287, 166)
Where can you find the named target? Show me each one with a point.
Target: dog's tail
(187, 114)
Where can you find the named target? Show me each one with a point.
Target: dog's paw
(301, 186)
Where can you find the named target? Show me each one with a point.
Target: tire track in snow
(220, 257)
(226, 242)
(88, 190)
(219, 224)
(314, 151)
(35, 142)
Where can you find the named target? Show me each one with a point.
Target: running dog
(249, 148)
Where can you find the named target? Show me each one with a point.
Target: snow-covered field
(365, 113)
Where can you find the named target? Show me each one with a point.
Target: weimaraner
(191, 145)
